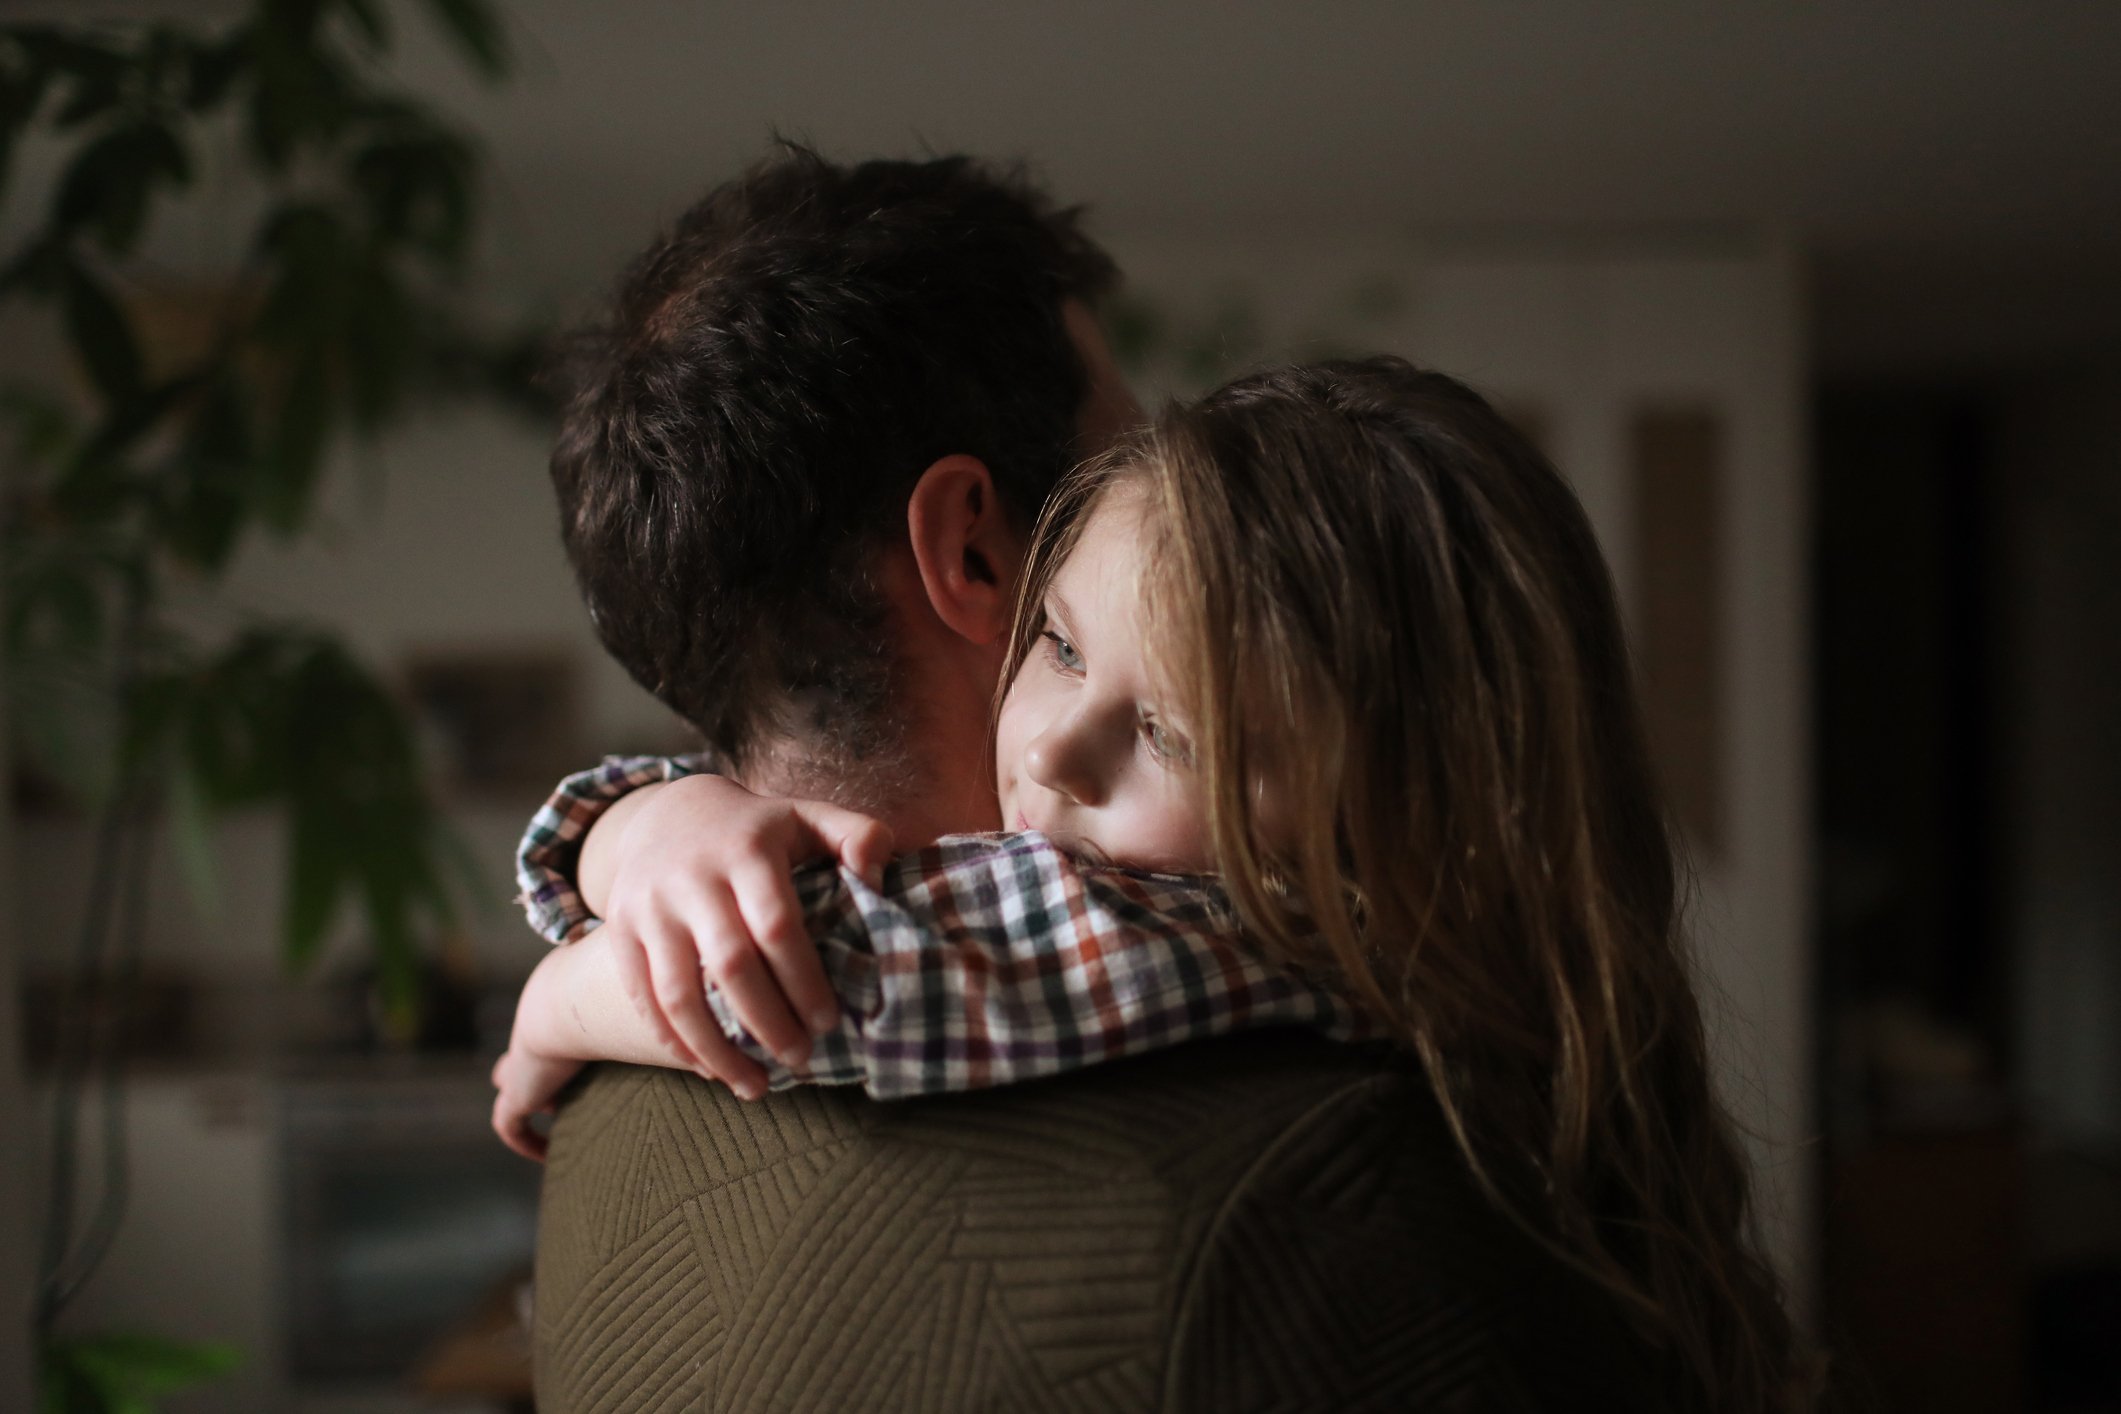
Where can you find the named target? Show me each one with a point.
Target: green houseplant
(140, 462)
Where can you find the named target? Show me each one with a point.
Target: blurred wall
(2060, 487)
(18, 1226)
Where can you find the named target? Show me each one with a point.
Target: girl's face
(1083, 754)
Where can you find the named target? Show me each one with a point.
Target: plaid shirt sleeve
(546, 857)
(991, 959)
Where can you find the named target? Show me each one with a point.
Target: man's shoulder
(1118, 1231)
(1221, 1093)
(1168, 1137)
(1050, 1227)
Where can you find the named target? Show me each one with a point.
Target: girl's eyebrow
(1057, 607)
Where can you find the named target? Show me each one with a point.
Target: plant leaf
(418, 186)
(61, 717)
(307, 303)
(477, 32)
(43, 427)
(143, 1366)
(39, 269)
(61, 598)
(96, 71)
(155, 708)
(208, 485)
(368, 18)
(382, 339)
(237, 734)
(215, 69)
(302, 95)
(108, 185)
(102, 335)
(316, 877)
(205, 517)
(288, 476)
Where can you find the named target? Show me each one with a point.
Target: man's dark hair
(742, 433)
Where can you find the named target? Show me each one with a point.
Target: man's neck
(917, 805)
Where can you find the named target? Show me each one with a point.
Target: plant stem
(75, 1058)
(120, 833)
(111, 1034)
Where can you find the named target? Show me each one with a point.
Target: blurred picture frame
(497, 722)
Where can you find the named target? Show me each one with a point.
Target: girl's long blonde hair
(1385, 616)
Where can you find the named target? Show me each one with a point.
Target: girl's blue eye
(1063, 651)
(1166, 744)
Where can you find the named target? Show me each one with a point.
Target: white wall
(2060, 712)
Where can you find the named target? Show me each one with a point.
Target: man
(795, 482)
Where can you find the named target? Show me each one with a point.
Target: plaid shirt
(983, 960)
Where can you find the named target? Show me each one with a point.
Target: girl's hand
(526, 1084)
(702, 892)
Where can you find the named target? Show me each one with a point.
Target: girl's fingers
(629, 958)
(857, 841)
(514, 1128)
(732, 962)
(681, 994)
(724, 1062)
(738, 926)
(765, 895)
(675, 984)
(714, 1057)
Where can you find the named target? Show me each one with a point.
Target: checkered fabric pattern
(545, 858)
(983, 960)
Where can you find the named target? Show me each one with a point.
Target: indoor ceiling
(1952, 170)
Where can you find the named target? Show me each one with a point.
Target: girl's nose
(1063, 759)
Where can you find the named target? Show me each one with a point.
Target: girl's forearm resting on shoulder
(576, 1007)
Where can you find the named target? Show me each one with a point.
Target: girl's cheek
(1181, 829)
(1014, 729)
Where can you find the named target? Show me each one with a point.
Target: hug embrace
(1172, 913)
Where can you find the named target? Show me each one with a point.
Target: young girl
(1339, 636)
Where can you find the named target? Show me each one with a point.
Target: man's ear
(966, 550)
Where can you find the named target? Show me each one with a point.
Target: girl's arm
(981, 961)
(695, 873)
(724, 915)
(581, 1004)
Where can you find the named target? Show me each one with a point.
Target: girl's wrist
(535, 1032)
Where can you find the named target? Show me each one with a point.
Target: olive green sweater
(1264, 1222)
